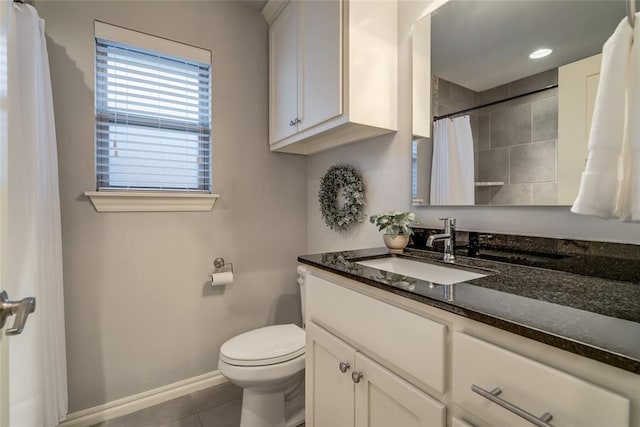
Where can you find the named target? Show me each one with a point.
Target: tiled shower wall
(515, 142)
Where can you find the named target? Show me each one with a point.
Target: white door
(283, 74)
(383, 399)
(329, 386)
(4, 365)
(577, 89)
(23, 308)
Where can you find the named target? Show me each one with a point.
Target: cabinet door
(329, 391)
(383, 399)
(283, 73)
(320, 96)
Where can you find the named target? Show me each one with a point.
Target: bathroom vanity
(516, 346)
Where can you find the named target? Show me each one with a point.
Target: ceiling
(481, 44)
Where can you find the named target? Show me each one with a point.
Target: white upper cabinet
(333, 73)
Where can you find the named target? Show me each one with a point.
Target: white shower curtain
(37, 359)
(452, 169)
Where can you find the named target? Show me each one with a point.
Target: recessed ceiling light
(540, 53)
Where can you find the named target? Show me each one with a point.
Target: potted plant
(395, 225)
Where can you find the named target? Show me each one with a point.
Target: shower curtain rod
(631, 12)
(457, 113)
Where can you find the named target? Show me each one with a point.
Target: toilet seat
(264, 346)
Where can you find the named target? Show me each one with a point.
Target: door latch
(22, 309)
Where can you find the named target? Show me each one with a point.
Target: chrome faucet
(449, 237)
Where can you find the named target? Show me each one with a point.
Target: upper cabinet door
(283, 70)
(320, 66)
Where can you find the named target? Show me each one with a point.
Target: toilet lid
(264, 346)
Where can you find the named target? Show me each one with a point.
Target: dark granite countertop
(594, 317)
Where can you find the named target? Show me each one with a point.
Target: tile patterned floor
(218, 406)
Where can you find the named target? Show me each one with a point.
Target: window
(153, 113)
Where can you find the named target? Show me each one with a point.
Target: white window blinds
(153, 115)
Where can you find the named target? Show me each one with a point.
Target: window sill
(151, 201)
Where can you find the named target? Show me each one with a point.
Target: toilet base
(262, 409)
(274, 407)
(297, 419)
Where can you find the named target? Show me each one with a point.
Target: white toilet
(268, 363)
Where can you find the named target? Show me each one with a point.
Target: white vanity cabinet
(332, 72)
(420, 366)
(345, 385)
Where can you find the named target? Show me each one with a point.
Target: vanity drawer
(529, 385)
(410, 342)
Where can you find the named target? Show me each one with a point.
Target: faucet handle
(449, 220)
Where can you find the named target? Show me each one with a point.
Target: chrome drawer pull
(492, 395)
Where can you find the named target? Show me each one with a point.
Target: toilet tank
(302, 278)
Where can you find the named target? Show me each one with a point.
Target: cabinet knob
(356, 376)
(344, 367)
(292, 123)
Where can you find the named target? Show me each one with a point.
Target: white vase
(396, 244)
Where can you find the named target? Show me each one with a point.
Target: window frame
(119, 199)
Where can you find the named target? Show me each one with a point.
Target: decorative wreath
(349, 180)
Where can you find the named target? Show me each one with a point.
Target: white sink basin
(422, 270)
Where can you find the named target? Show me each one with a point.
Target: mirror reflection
(512, 86)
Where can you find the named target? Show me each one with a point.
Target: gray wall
(139, 313)
(385, 163)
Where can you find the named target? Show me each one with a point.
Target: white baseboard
(127, 405)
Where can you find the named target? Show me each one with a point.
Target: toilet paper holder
(219, 264)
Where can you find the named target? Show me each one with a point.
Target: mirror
(513, 129)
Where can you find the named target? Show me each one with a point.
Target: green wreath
(350, 180)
